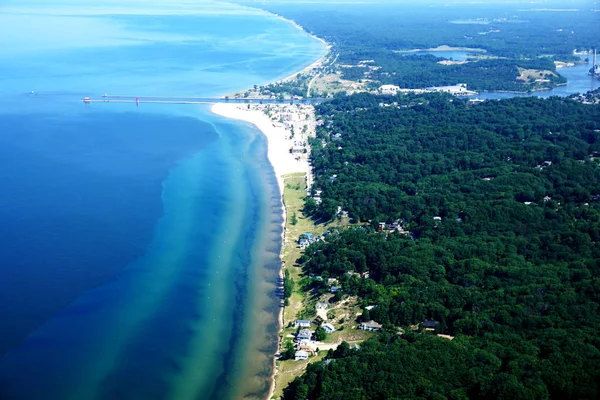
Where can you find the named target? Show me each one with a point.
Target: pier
(105, 98)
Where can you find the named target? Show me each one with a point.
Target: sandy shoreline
(282, 161)
(278, 153)
(312, 66)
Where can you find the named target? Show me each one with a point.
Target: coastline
(283, 163)
(279, 156)
(312, 66)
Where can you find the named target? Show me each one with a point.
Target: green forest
(499, 209)
(512, 37)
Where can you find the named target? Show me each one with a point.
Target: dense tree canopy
(512, 37)
(500, 209)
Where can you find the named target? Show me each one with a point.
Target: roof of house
(372, 324)
(328, 326)
(301, 353)
(429, 323)
(305, 332)
(302, 321)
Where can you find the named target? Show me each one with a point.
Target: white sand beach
(279, 155)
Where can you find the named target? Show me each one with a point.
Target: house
(301, 355)
(355, 346)
(303, 243)
(389, 89)
(305, 342)
(328, 328)
(298, 149)
(331, 281)
(370, 307)
(321, 305)
(307, 236)
(303, 323)
(381, 226)
(547, 198)
(304, 334)
(370, 326)
(335, 289)
(309, 349)
(429, 324)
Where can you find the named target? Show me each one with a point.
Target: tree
(289, 352)
(294, 220)
(320, 334)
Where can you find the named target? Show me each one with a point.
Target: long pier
(88, 101)
(191, 100)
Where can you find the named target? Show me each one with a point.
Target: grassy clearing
(294, 194)
(534, 75)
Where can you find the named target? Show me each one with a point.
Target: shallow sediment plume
(283, 163)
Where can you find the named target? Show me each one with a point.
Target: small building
(302, 323)
(307, 236)
(547, 198)
(389, 89)
(298, 149)
(305, 342)
(331, 281)
(301, 355)
(321, 305)
(370, 326)
(370, 307)
(304, 334)
(335, 289)
(429, 324)
(328, 328)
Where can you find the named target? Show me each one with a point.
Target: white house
(303, 323)
(335, 289)
(328, 328)
(389, 89)
(304, 334)
(301, 355)
(370, 326)
(305, 342)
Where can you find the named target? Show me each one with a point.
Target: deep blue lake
(139, 245)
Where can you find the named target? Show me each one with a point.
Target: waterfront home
(301, 355)
(328, 328)
(305, 342)
(370, 326)
(307, 235)
(303, 323)
(309, 349)
(304, 334)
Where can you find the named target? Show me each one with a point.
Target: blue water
(578, 81)
(450, 55)
(139, 245)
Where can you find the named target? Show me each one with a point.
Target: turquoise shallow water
(139, 245)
